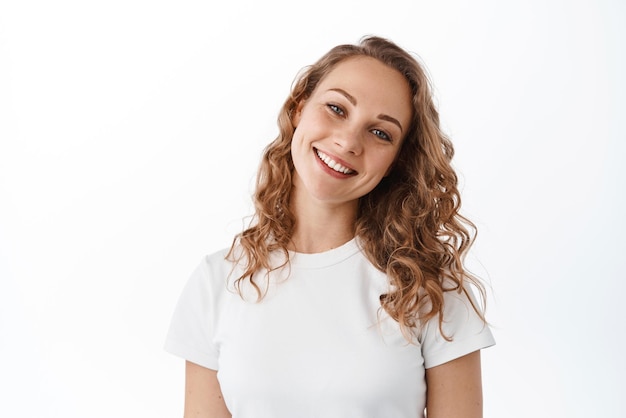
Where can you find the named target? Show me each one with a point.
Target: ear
(297, 113)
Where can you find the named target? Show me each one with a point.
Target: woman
(346, 297)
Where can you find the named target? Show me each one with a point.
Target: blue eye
(336, 109)
(381, 134)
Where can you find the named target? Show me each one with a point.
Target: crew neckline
(325, 258)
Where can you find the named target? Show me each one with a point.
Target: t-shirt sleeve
(190, 334)
(468, 332)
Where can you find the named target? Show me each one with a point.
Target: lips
(332, 164)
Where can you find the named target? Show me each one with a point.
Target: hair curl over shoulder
(409, 226)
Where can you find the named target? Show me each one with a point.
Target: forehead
(372, 83)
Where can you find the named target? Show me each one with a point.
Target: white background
(130, 133)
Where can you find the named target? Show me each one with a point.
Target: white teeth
(332, 163)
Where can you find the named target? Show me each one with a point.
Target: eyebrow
(352, 100)
(390, 119)
(346, 94)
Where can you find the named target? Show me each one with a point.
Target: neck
(321, 226)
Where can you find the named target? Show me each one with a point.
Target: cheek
(386, 164)
(298, 142)
(310, 120)
(304, 131)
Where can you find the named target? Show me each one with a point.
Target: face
(349, 131)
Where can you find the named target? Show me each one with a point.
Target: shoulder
(215, 262)
(217, 258)
(194, 320)
(210, 275)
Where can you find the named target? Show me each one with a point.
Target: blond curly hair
(409, 226)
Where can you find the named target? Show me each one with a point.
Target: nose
(349, 140)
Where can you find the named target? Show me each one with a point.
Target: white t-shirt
(318, 344)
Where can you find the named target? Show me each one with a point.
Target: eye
(381, 134)
(335, 109)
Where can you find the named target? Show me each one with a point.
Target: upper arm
(454, 389)
(203, 395)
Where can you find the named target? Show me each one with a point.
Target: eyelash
(337, 110)
(381, 134)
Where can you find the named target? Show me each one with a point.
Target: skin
(357, 116)
(455, 388)
(203, 396)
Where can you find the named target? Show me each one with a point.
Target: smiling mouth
(332, 164)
